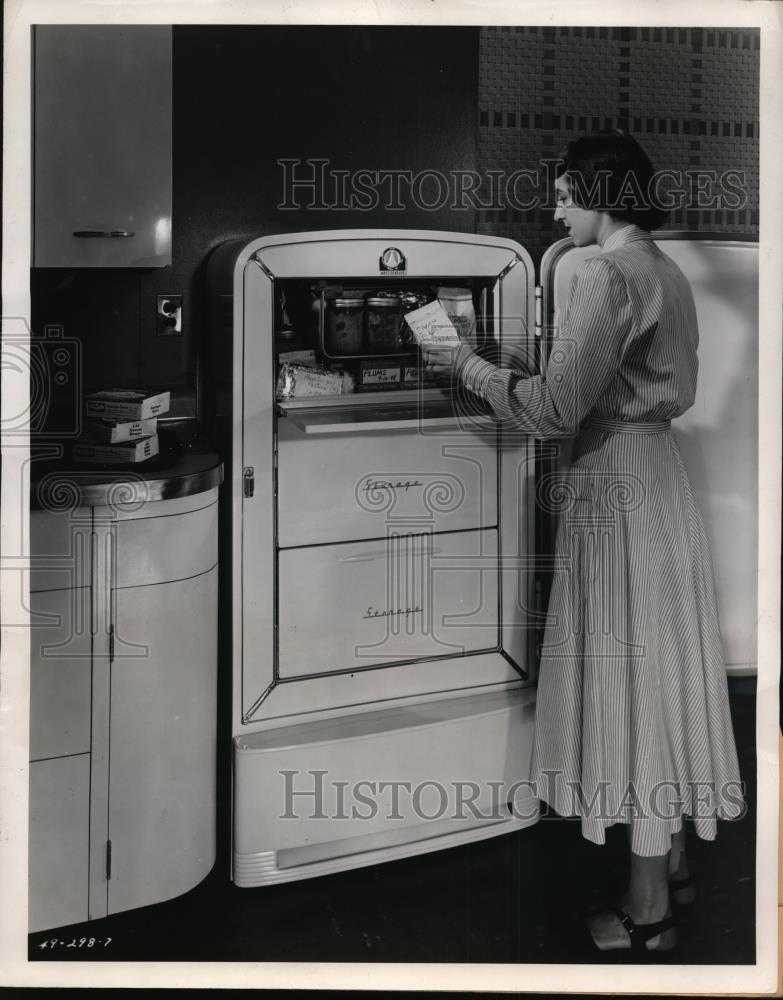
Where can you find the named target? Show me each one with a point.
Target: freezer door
(718, 436)
(298, 497)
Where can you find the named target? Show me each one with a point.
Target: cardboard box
(130, 404)
(114, 433)
(131, 452)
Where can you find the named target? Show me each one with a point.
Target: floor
(518, 898)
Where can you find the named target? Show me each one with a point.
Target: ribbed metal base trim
(264, 868)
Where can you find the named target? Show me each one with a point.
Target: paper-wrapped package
(431, 326)
(301, 380)
(458, 303)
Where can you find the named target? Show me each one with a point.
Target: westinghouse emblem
(392, 260)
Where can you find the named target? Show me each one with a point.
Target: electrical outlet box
(169, 316)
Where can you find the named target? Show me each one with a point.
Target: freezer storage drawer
(346, 487)
(314, 799)
(358, 605)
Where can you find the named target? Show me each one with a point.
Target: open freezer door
(718, 436)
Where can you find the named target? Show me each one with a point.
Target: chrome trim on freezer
(249, 716)
(507, 268)
(395, 701)
(256, 258)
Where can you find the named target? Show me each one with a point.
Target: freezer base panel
(267, 867)
(312, 800)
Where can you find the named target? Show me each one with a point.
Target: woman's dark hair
(610, 172)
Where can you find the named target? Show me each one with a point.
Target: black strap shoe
(640, 934)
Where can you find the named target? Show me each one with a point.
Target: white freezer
(385, 589)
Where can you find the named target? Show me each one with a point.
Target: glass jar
(344, 328)
(382, 325)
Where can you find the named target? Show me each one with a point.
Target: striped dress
(632, 718)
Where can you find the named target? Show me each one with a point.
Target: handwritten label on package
(431, 325)
(381, 376)
(299, 380)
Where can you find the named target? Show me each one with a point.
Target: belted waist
(628, 426)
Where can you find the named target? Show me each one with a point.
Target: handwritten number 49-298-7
(73, 943)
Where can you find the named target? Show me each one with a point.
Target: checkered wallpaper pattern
(689, 95)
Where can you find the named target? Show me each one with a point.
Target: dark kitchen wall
(689, 95)
(363, 98)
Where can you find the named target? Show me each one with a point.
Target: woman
(632, 720)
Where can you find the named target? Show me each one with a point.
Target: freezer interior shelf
(389, 412)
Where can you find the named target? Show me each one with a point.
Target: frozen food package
(300, 380)
(413, 299)
(119, 454)
(458, 303)
(305, 358)
(347, 376)
(431, 325)
(111, 432)
(378, 373)
(127, 404)
(410, 300)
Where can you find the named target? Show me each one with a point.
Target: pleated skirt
(632, 717)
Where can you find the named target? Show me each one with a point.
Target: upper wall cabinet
(102, 132)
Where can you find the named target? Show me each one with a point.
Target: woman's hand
(445, 362)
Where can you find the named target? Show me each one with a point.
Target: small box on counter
(130, 404)
(114, 433)
(130, 452)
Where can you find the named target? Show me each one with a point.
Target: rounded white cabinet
(123, 698)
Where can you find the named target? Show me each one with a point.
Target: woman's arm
(585, 356)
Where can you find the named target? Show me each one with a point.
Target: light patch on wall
(162, 234)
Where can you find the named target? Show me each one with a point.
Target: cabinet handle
(115, 234)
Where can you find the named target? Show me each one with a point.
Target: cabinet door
(102, 136)
(163, 740)
(60, 668)
(59, 841)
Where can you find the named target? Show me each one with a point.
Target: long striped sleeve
(585, 356)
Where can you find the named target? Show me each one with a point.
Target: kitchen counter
(186, 465)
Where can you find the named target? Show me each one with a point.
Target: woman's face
(583, 224)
